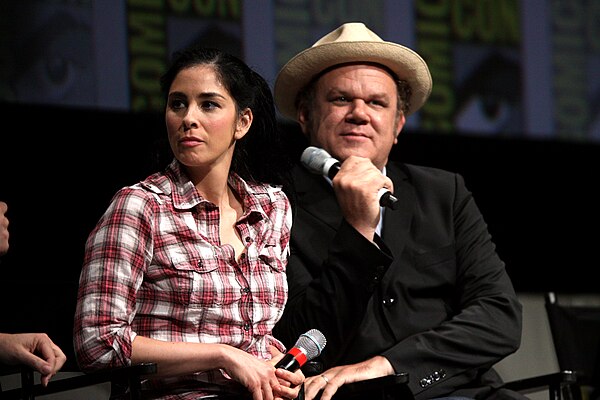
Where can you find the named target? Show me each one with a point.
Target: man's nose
(358, 111)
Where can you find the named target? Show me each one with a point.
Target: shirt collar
(175, 182)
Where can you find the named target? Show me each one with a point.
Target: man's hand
(332, 379)
(357, 187)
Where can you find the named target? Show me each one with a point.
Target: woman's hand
(290, 382)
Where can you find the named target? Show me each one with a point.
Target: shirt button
(246, 327)
(245, 290)
(248, 239)
(242, 256)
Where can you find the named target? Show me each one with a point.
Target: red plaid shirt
(154, 266)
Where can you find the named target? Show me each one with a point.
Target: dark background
(60, 166)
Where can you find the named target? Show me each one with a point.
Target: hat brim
(301, 69)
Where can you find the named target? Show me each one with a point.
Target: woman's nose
(189, 120)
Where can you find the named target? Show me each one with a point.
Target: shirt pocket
(215, 286)
(271, 276)
(435, 257)
(436, 267)
(435, 282)
(171, 283)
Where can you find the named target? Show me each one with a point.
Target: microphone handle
(333, 170)
(288, 362)
(388, 200)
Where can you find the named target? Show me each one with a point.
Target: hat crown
(351, 42)
(349, 32)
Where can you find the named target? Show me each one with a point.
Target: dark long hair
(260, 156)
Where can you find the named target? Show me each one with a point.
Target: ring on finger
(326, 379)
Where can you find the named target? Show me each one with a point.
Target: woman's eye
(209, 105)
(177, 104)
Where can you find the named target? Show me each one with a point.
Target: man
(35, 350)
(417, 289)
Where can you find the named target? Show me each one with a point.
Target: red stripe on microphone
(299, 355)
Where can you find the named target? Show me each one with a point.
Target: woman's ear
(243, 124)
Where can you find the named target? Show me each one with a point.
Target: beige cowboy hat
(351, 42)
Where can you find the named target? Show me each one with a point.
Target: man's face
(355, 112)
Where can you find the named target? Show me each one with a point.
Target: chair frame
(125, 383)
(561, 385)
(575, 330)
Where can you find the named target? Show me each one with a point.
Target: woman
(187, 268)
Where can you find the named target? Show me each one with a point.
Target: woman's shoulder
(149, 192)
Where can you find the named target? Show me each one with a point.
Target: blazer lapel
(396, 223)
(316, 197)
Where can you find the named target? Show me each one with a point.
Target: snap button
(389, 302)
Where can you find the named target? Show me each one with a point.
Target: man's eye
(340, 99)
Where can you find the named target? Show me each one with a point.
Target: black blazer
(433, 297)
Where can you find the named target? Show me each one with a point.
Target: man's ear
(303, 120)
(399, 126)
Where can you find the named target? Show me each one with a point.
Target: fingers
(289, 383)
(265, 382)
(45, 379)
(44, 367)
(286, 393)
(4, 235)
(276, 355)
(357, 187)
(325, 382)
(52, 358)
(261, 387)
(291, 378)
(361, 176)
(331, 380)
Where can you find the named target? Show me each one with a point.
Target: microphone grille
(314, 158)
(313, 342)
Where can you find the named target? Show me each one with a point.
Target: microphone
(308, 346)
(319, 161)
